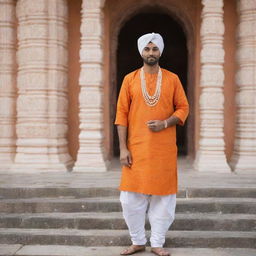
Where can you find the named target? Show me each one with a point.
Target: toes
(161, 252)
(124, 252)
(132, 249)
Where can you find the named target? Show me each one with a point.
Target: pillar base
(6, 161)
(84, 168)
(36, 168)
(213, 164)
(90, 163)
(4, 167)
(244, 164)
(41, 163)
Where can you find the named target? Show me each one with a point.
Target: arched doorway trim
(182, 19)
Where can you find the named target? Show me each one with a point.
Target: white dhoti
(161, 213)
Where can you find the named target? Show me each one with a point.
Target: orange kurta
(154, 154)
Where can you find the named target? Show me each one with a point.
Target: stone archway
(174, 57)
(184, 69)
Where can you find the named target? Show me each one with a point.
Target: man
(151, 102)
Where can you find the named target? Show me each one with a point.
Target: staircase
(80, 221)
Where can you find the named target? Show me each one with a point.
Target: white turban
(151, 37)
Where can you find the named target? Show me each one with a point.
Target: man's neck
(151, 69)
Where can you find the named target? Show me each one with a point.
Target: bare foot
(133, 249)
(160, 251)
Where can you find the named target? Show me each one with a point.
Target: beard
(151, 61)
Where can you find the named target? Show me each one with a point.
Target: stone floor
(187, 178)
(60, 250)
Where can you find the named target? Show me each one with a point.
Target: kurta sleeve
(180, 102)
(123, 104)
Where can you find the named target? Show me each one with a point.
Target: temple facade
(62, 63)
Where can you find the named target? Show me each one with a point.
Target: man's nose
(151, 52)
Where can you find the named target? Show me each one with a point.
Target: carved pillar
(244, 157)
(7, 82)
(42, 86)
(90, 155)
(210, 156)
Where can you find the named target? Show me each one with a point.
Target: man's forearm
(159, 125)
(172, 120)
(122, 134)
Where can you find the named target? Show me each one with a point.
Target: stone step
(112, 204)
(78, 192)
(204, 239)
(63, 250)
(23, 192)
(114, 220)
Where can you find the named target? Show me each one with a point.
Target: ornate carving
(210, 156)
(42, 86)
(7, 82)
(90, 155)
(244, 156)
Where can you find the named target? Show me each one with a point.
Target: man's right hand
(125, 158)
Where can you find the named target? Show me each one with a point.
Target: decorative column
(90, 155)
(7, 82)
(42, 86)
(244, 157)
(210, 156)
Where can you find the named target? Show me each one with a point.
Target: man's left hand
(155, 125)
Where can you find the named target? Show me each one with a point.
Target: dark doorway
(174, 57)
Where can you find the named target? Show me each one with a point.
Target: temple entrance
(174, 57)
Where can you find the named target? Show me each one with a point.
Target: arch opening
(174, 58)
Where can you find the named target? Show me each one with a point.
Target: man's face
(151, 54)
